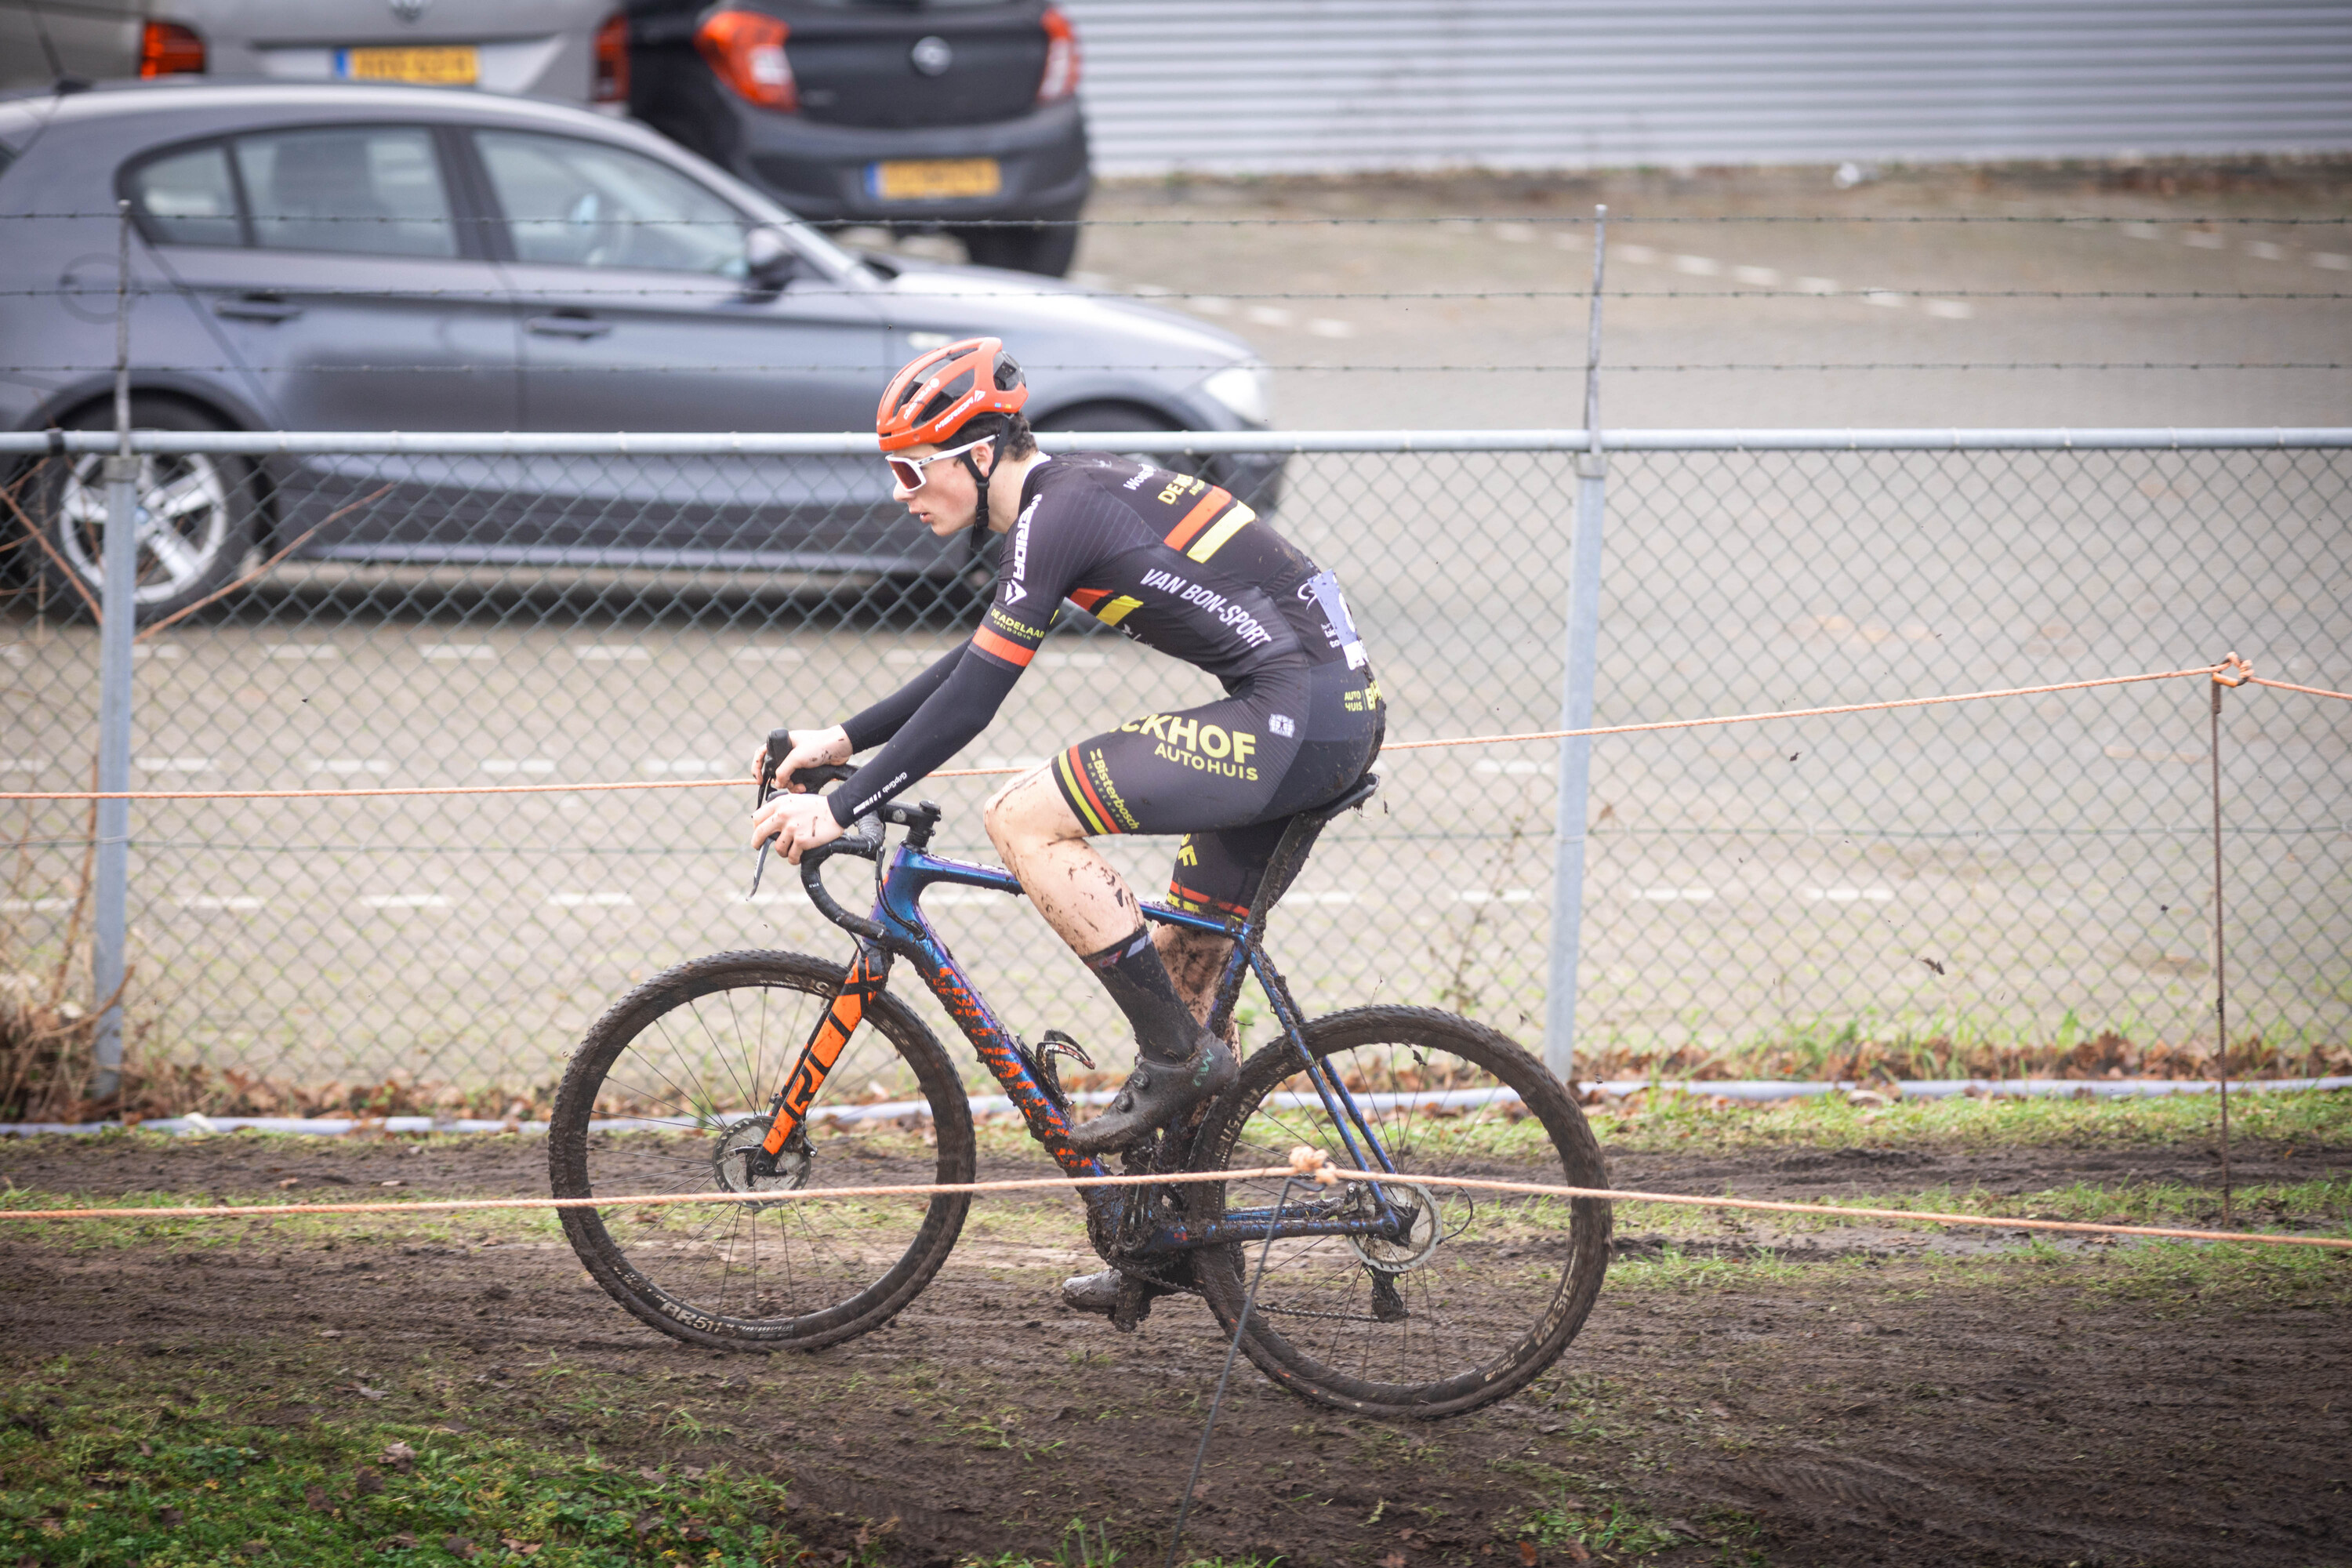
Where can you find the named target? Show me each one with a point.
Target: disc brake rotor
(1421, 1236)
(739, 1154)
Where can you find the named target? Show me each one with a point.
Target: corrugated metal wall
(1318, 85)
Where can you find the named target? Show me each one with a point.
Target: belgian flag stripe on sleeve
(1207, 507)
(1004, 647)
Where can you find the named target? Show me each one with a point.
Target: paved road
(1986, 869)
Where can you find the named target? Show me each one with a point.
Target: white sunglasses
(909, 471)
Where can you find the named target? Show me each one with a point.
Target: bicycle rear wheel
(1487, 1288)
(669, 1092)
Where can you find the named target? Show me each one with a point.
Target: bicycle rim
(1484, 1291)
(668, 1093)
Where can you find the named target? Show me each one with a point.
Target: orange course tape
(1303, 1163)
(2208, 671)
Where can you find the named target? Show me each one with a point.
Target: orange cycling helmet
(940, 392)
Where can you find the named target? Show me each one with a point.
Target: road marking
(1212, 304)
(214, 901)
(1150, 291)
(458, 650)
(1887, 298)
(2140, 230)
(2263, 250)
(1518, 767)
(584, 900)
(690, 765)
(34, 906)
(405, 902)
(2203, 239)
(1847, 895)
(2331, 261)
(1508, 896)
(1676, 895)
(1639, 255)
(1698, 266)
(1817, 285)
(768, 656)
(517, 765)
(1325, 327)
(594, 654)
(302, 650)
(173, 764)
(347, 765)
(1950, 310)
(1269, 315)
(1763, 277)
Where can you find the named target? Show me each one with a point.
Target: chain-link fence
(2021, 870)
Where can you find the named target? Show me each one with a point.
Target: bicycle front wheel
(1483, 1290)
(669, 1094)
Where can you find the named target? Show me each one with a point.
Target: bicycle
(1391, 1297)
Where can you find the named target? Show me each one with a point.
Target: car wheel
(1048, 249)
(197, 518)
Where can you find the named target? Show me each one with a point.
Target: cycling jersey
(1179, 565)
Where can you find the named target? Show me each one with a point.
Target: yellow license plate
(928, 179)
(439, 65)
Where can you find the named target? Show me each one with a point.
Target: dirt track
(1885, 1409)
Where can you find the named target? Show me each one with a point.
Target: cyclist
(1179, 565)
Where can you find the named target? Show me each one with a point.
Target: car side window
(371, 190)
(187, 198)
(570, 202)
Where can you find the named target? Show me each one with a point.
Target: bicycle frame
(897, 925)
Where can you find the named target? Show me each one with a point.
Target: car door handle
(255, 308)
(562, 326)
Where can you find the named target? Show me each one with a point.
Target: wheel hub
(740, 1163)
(1424, 1230)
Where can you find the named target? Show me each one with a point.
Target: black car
(913, 114)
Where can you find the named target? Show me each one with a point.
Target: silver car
(576, 50)
(407, 259)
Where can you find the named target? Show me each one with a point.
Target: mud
(1885, 1410)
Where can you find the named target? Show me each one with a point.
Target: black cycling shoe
(1155, 1094)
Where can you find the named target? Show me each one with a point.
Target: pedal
(1388, 1307)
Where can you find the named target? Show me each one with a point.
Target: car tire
(205, 504)
(1047, 249)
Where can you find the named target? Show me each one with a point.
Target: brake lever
(762, 792)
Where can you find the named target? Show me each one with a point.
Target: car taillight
(611, 60)
(747, 51)
(166, 48)
(1061, 78)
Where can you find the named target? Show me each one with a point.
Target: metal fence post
(1576, 699)
(118, 608)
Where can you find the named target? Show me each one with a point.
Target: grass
(110, 1464)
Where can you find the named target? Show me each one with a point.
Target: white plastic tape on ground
(1450, 1100)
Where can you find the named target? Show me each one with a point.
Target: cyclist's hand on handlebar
(798, 823)
(810, 749)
